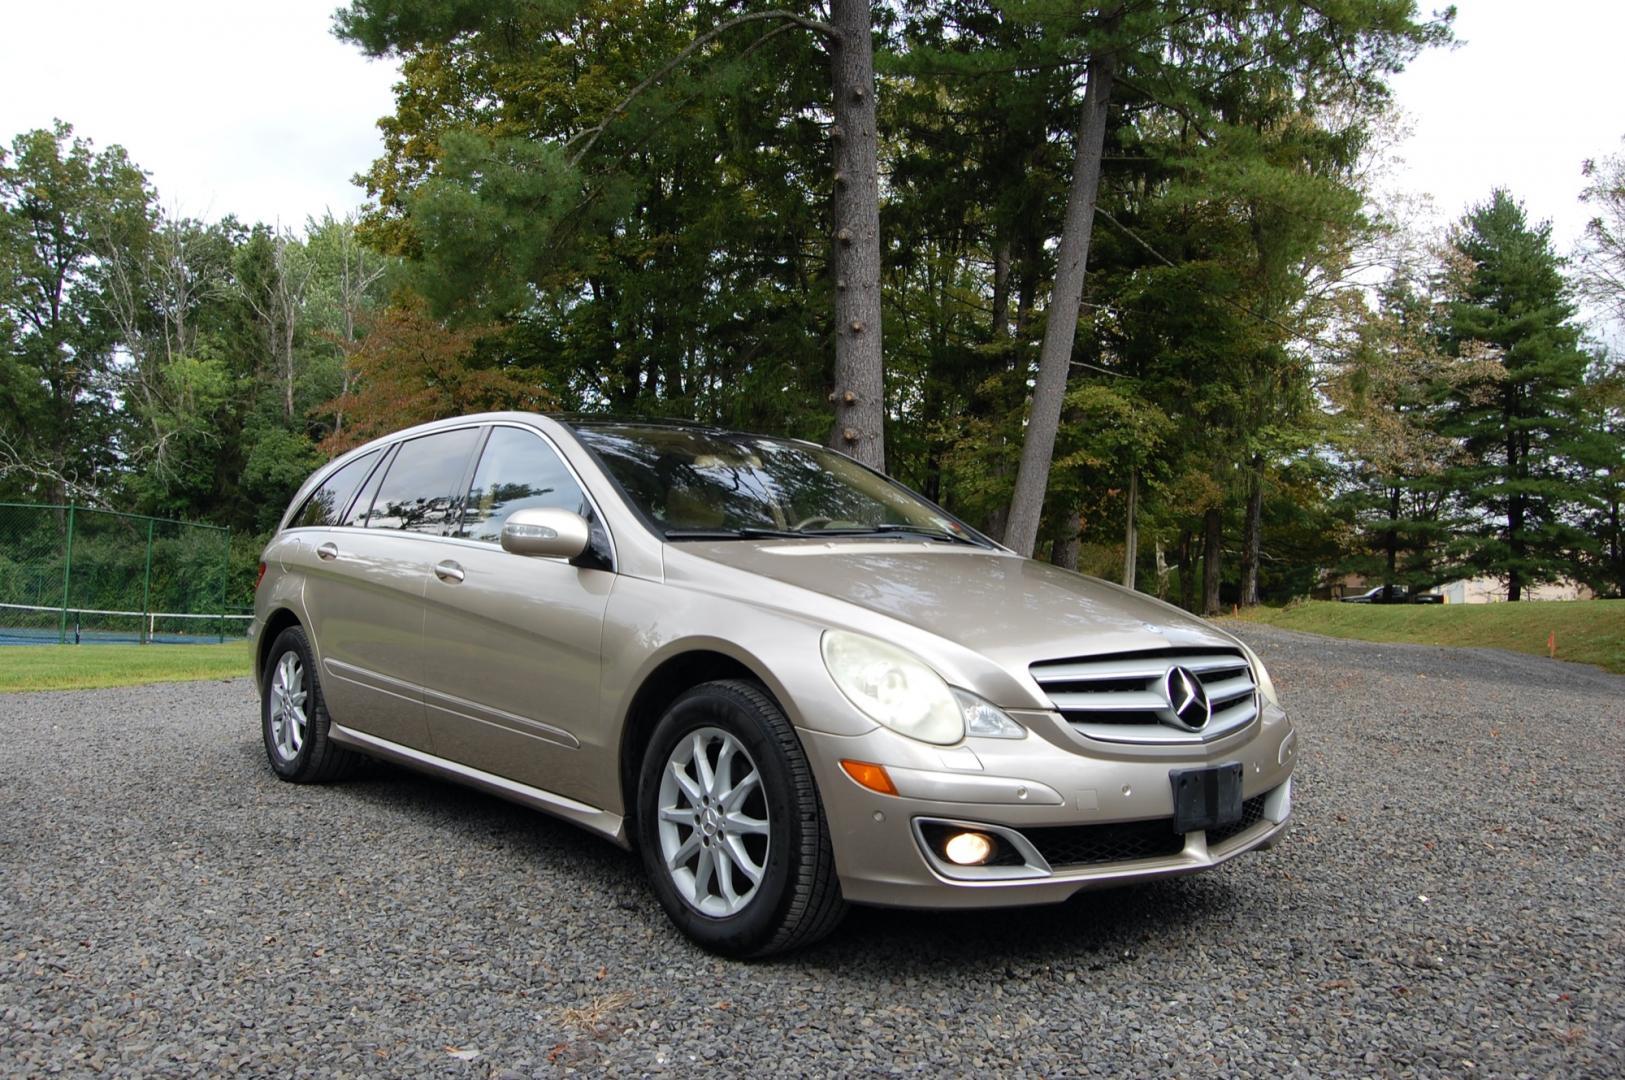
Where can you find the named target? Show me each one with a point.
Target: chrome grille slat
(1108, 701)
(1229, 688)
(1119, 698)
(1135, 668)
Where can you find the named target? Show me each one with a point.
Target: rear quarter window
(325, 505)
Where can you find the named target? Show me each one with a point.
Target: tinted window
(419, 494)
(357, 517)
(518, 471)
(328, 501)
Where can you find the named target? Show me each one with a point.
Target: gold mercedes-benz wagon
(788, 682)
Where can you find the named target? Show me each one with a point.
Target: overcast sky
(255, 109)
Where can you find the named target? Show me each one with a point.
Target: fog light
(968, 848)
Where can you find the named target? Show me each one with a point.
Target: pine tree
(1523, 430)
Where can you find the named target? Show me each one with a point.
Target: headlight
(1266, 687)
(893, 687)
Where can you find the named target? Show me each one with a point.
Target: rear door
(511, 644)
(365, 590)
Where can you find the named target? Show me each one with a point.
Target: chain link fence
(75, 575)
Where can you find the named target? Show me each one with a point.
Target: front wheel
(293, 716)
(731, 827)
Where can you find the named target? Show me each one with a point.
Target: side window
(518, 471)
(328, 501)
(356, 518)
(419, 493)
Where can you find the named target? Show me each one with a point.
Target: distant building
(1489, 590)
(1482, 590)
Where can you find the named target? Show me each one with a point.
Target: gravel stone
(1448, 902)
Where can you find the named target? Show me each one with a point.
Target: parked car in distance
(1377, 596)
(1401, 595)
(785, 680)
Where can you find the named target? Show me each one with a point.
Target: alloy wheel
(288, 706)
(713, 822)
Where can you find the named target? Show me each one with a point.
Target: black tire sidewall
(721, 707)
(290, 640)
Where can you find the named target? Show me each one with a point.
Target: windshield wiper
(734, 534)
(924, 530)
(892, 527)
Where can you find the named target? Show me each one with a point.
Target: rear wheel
(294, 717)
(731, 827)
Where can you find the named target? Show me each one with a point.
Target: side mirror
(553, 534)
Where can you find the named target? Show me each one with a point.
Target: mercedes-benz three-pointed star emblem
(1188, 706)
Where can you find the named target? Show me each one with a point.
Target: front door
(511, 659)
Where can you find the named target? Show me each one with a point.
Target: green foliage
(278, 462)
(569, 220)
(60, 203)
(1521, 433)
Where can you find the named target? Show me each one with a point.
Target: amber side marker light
(870, 776)
(259, 577)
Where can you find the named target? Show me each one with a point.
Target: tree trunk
(1001, 290)
(1515, 504)
(1186, 579)
(1614, 555)
(1250, 541)
(859, 395)
(1131, 534)
(1162, 572)
(1070, 544)
(1392, 541)
(1055, 357)
(1210, 561)
(287, 353)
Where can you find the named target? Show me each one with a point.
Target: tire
(775, 825)
(293, 716)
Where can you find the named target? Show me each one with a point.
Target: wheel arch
(276, 622)
(669, 679)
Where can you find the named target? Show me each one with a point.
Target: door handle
(446, 570)
(328, 550)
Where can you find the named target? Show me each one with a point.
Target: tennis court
(82, 576)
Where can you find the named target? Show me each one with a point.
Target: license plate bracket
(1207, 798)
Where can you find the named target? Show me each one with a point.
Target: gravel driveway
(1450, 901)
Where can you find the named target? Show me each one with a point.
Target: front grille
(1086, 845)
(1120, 697)
(1252, 812)
(1082, 845)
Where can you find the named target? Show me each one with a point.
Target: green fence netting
(76, 575)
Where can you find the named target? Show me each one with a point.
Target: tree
(1601, 470)
(1601, 264)
(1521, 432)
(496, 200)
(1191, 61)
(347, 285)
(409, 369)
(60, 203)
(1390, 391)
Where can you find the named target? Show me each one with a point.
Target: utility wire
(1296, 335)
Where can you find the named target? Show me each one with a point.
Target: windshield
(698, 484)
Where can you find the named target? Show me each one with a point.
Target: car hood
(1013, 610)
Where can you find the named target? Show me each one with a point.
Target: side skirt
(591, 818)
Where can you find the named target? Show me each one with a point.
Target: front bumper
(1095, 811)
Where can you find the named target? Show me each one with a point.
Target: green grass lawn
(84, 667)
(1588, 631)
